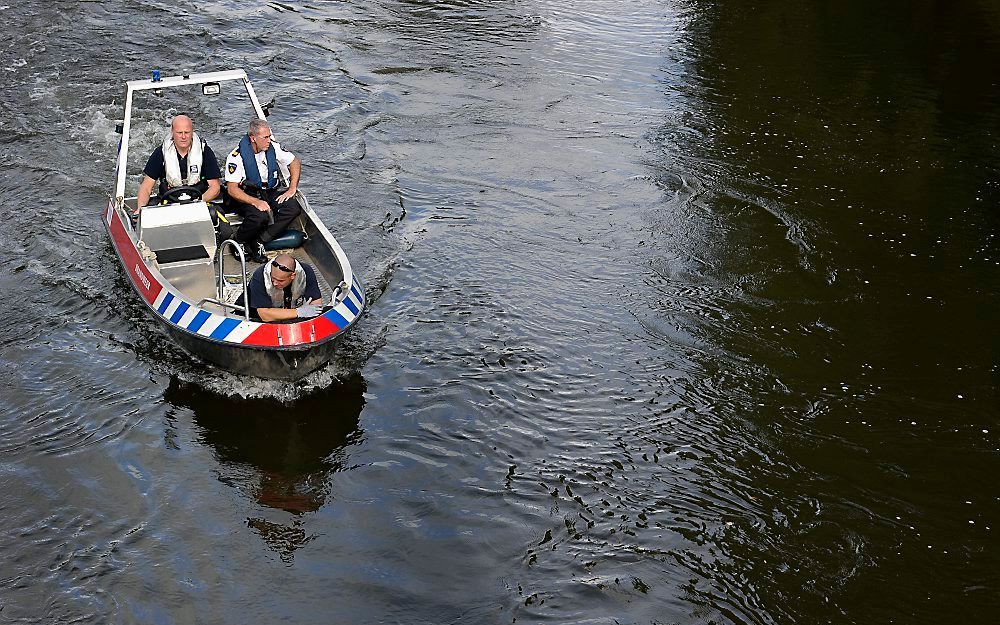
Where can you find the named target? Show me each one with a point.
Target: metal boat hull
(287, 363)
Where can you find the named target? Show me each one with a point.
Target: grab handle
(243, 274)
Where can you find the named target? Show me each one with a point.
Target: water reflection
(280, 454)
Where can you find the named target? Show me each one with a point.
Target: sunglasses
(282, 267)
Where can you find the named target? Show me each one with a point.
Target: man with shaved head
(182, 160)
(282, 289)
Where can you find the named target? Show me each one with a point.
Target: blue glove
(308, 310)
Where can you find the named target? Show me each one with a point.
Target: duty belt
(257, 192)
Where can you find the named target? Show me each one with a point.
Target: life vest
(250, 165)
(172, 163)
(278, 295)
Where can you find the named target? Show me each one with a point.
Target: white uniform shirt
(234, 164)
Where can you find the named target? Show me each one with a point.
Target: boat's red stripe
(324, 327)
(276, 334)
(285, 334)
(133, 263)
(266, 335)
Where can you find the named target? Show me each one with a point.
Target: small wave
(15, 65)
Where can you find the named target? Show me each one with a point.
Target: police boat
(189, 277)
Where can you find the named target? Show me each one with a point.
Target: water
(681, 313)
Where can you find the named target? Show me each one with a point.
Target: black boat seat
(290, 239)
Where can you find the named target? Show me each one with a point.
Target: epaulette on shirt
(236, 152)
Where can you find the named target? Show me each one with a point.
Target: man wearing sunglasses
(283, 289)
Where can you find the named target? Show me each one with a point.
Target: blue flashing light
(156, 75)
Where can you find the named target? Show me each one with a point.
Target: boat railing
(222, 278)
(218, 302)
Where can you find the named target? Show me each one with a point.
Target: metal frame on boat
(173, 262)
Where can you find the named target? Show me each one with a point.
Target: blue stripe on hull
(165, 303)
(351, 305)
(336, 317)
(224, 329)
(199, 320)
(183, 308)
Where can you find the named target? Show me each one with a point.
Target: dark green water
(682, 312)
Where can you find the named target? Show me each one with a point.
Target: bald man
(182, 160)
(283, 289)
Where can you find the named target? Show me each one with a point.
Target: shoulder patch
(232, 168)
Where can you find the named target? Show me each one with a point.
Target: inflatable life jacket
(278, 295)
(250, 166)
(172, 164)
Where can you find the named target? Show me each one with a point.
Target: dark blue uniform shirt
(260, 299)
(157, 169)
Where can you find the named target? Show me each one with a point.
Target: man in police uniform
(281, 290)
(182, 159)
(255, 173)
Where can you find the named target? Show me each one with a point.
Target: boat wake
(245, 387)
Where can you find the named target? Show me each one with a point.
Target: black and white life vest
(278, 295)
(172, 163)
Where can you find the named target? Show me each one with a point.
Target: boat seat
(290, 239)
(178, 233)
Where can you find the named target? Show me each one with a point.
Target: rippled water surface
(681, 312)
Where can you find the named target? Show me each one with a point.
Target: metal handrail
(243, 273)
(218, 302)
